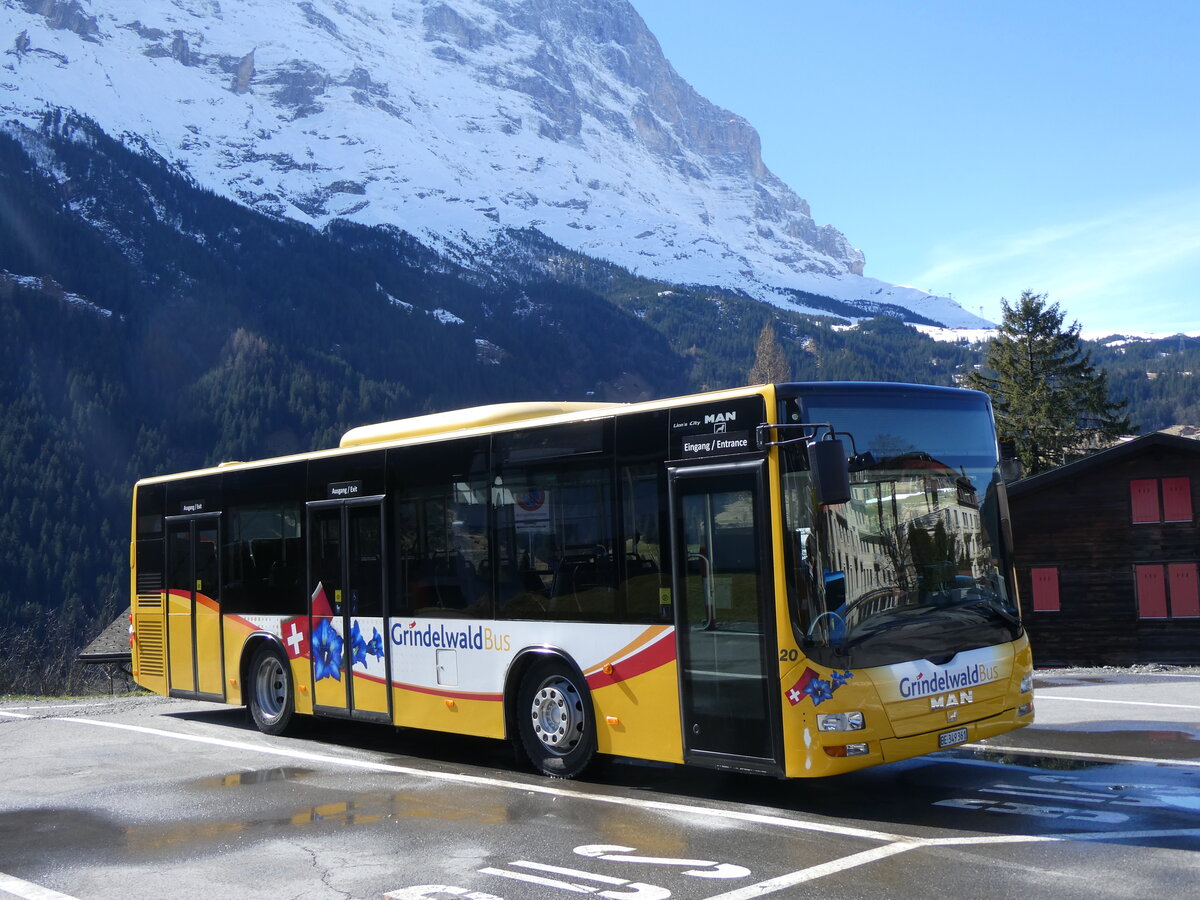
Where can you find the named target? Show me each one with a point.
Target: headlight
(847, 721)
(1027, 684)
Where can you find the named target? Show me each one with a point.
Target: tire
(555, 720)
(272, 694)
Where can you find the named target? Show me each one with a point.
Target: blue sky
(977, 148)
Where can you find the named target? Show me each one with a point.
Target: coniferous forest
(149, 326)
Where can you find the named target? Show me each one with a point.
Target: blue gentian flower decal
(358, 647)
(840, 678)
(327, 651)
(375, 646)
(819, 690)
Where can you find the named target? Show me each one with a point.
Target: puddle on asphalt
(1145, 740)
(1030, 760)
(259, 776)
(365, 809)
(1062, 749)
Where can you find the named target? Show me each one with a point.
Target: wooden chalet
(1107, 550)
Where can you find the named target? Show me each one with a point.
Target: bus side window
(442, 551)
(555, 542)
(641, 566)
(439, 538)
(407, 554)
(262, 560)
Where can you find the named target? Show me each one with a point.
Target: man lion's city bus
(790, 579)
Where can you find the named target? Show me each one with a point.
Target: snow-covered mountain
(454, 120)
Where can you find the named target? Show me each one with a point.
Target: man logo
(946, 701)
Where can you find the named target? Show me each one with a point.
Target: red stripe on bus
(438, 692)
(651, 657)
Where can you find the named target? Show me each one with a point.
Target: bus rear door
(194, 606)
(348, 614)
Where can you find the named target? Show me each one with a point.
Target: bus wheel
(555, 720)
(271, 699)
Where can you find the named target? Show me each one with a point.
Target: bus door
(724, 615)
(348, 639)
(194, 652)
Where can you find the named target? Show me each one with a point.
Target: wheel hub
(557, 715)
(270, 688)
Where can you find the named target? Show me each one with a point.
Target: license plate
(950, 738)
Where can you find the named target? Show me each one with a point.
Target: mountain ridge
(455, 121)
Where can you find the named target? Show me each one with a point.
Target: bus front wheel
(272, 702)
(555, 720)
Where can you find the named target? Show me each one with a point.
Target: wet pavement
(147, 797)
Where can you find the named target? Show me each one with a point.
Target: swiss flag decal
(295, 637)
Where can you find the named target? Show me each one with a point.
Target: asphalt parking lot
(149, 797)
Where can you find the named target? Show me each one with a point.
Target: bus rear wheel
(555, 720)
(272, 700)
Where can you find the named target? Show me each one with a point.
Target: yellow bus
(791, 579)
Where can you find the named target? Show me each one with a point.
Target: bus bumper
(896, 749)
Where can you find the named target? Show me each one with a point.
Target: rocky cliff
(454, 120)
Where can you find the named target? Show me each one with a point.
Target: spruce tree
(770, 363)
(1049, 397)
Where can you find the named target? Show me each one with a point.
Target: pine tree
(1049, 397)
(770, 363)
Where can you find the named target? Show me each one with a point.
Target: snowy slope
(452, 120)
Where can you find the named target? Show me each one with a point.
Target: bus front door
(194, 651)
(347, 609)
(723, 615)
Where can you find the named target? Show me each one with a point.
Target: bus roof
(476, 419)
(461, 419)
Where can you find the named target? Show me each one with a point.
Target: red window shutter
(1185, 594)
(1151, 592)
(1177, 499)
(1045, 589)
(1143, 495)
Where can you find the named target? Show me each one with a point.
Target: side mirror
(830, 471)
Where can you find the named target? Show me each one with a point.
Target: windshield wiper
(994, 604)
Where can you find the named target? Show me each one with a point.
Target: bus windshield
(913, 566)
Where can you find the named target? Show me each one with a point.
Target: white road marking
(1039, 696)
(538, 879)
(833, 867)
(634, 890)
(1063, 795)
(12, 711)
(1060, 838)
(846, 863)
(1195, 675)
(698, 868)
(27, 890)
(573, 873)
(427, 891)
(1074, 754)
(531, 788)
